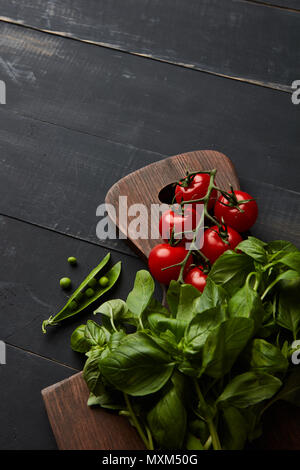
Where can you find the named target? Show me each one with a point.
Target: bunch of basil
(201, 373)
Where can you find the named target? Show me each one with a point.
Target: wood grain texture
(24, 423)
(140, 103)
(234, 38)
(143, 187)
(79, 427)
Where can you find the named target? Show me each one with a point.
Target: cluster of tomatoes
(230, 214)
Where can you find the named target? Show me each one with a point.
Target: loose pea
(72, 260)
(89, 292)
(65, 283)
(92, 283)
(103, 281)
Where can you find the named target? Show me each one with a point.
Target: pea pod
(78, 301)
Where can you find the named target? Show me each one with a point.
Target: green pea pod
(78, 301)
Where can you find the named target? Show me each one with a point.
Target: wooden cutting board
(74, 424)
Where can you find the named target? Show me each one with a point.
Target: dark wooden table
(95, 90)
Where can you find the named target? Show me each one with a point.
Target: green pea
(79, 296)
(72, 260)
(103, 281)
(89, 292)
(73, 305)
(92, 283)
(65, 283)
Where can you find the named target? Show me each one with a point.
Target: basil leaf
(292, 260)
(224, 344)
(106, 398)
(79, 342)
(139, 298)
(236, 431)
(212, 296)
(279, 248)
(138, 366)
(187, 296)
(159, 324)
(289, 306)
(290, 392)
(114, 312)
(168, 418)
(246, 303)
(91, 371)
(254, 248)
(248, 389)
(231, 270)
(193, 443)
(199, 329)
(265, 357)
(95, 334)
(173, 294)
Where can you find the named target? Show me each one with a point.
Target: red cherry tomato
(164, 255)
(178, 221)
(240, 221)
(196, 278)
(196, 189)
(214, 246)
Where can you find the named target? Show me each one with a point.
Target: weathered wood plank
(24, 423)
(234, 38)
(32, 261)
(291, 4)
(145, 104)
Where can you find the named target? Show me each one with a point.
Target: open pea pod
(79, 299)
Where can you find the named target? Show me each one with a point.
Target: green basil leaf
(279, 248)
(248, 389)
(91, 371)
(95, 334)
(292, 260)
(160, 324)
(254, 248)
(139, 298)
(246, 303)
(236, 429)
(106, 398)
(168, 418)
(193, 442)
(231, 270)
(188, 294)
(173, 294)
(212, 296)
(138, 366)
(289, 306)
(79, 342)
(290, 391)
(199, 329)
(265, 357)
(224, 344)
(114, 312)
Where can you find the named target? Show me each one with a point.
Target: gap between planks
(270, 5)
(62, 34)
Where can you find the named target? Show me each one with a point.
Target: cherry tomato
(164, 255)
(196, 189)
(240, 221)
(214, 246)
(196, 278)
(179, 221)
